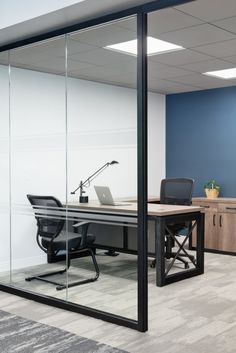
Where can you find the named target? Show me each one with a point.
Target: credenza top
(217, 199)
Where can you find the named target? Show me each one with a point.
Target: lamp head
(113, 162)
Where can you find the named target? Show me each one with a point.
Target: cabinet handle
(205, 206)
(230, 208)
(220, 221)
(214, 220)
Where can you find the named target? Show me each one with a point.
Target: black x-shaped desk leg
(161, 229)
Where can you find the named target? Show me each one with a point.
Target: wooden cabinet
(220, 223)
(227, 232)
(211, 226)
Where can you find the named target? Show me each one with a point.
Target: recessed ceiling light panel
(154, 47)
(226, 74)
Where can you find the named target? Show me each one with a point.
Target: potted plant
(212, 189)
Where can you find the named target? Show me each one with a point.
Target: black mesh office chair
(51, 238)
(176, 191)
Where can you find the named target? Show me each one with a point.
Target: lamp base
(83, 199)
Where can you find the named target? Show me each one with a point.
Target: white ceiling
(206, 28)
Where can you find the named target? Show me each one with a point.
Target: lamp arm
(95, 174)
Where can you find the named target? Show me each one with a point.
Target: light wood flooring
(197, 315)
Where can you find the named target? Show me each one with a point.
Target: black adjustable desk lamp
(86, 183)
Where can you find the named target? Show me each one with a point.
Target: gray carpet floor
(19, 335)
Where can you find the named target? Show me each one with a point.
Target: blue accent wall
(201, 138)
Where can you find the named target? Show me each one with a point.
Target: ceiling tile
(104, 72)
(209, 10)
(47, 51)
(158, 70)
(197, 35)
(167, 87)
(228, 23)
(102, 36)
(74, 46)
(220, 49)
(105, 57)
(4, 58)
(231, 59)
(183, 89)
(125, 81)
(208, 65)
(56, 66)
(203, 81)
(130, 24)
(180, 57)
(167, 20)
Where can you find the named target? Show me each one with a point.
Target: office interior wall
(84, 100)
(4, 168)
(156, 142)
(201, 138)
(38, 104)
(104, 141)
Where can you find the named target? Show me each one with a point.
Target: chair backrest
(176, 191)
(49, 224)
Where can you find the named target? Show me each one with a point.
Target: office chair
(52, 239)
(176, 191)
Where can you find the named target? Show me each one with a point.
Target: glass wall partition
(5, 252)
(38, 166)
(102, 135)
(69, 117)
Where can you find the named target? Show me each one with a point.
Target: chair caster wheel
(153, 264)
(186, 266)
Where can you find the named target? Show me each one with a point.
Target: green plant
(212, 184)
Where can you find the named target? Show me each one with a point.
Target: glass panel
(4, 168)
(102, 130)
(38, 164)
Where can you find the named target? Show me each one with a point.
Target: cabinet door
(211, 231)
(227, 231)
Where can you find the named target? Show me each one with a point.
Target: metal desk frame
(161, 229)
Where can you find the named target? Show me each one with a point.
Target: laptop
(105, 197)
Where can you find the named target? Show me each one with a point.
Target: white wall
(4, 170)
(101, 127)
(156, 142)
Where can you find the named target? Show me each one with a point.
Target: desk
(161, 215)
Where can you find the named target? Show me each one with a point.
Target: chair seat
(177, 227)
(60, 242)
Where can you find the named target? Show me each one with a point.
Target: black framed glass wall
(73, 109)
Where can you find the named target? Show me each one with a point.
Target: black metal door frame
(141, 12)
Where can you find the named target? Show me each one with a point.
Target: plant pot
(211, 193)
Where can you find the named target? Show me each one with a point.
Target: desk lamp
(86, 183)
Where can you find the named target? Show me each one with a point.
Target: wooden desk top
(131, 208)
(150, 199)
